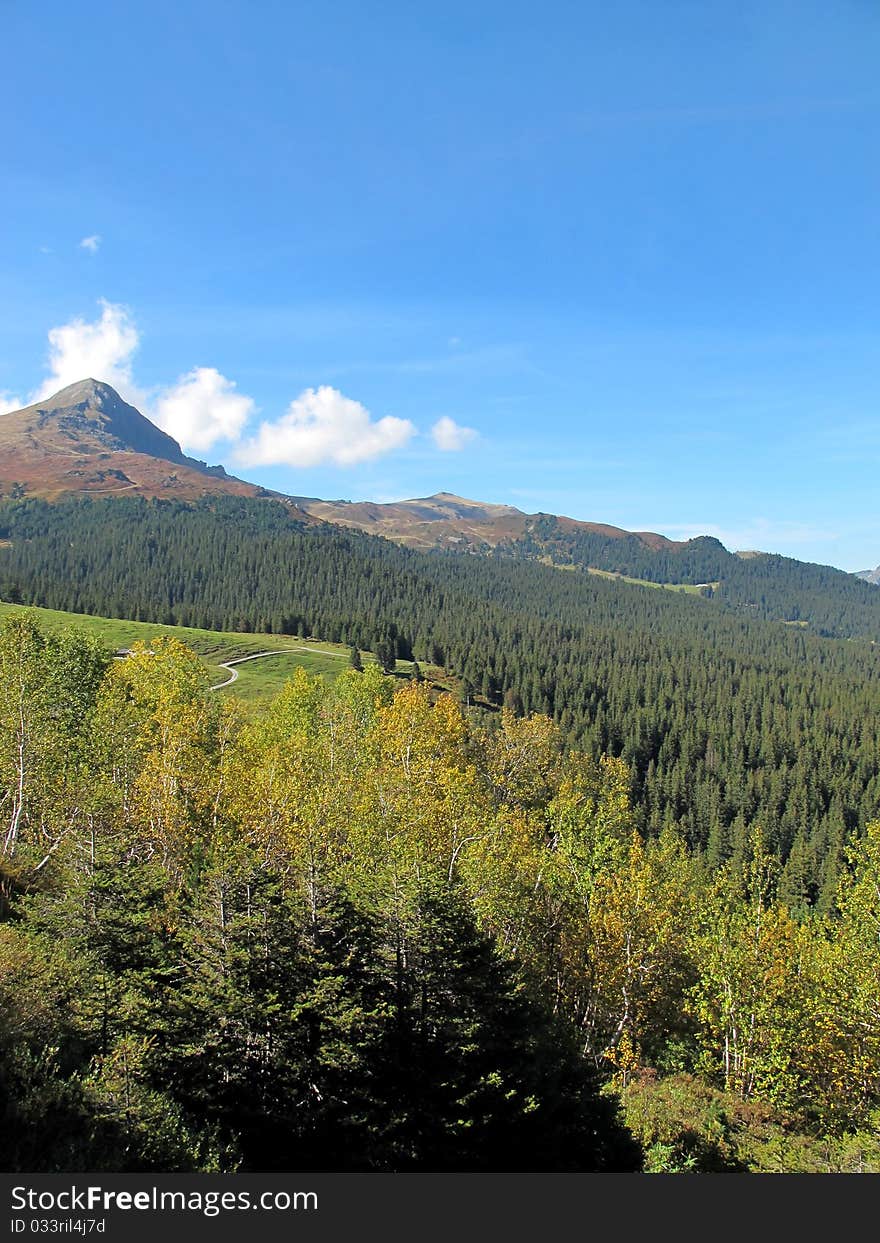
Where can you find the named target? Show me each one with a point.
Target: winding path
(278, 651)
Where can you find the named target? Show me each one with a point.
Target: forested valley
(369, 929)
(723, 722)
(752, 584)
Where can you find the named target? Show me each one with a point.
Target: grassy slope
(690, 589)
(257, 679)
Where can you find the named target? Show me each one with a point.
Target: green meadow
(691, 589)
(258, 680)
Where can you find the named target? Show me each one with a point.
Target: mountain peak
(463, 505)
(95, 408)
(83, 392)
(86, 438)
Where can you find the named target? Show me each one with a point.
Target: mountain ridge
(86, 440)
(447, 520)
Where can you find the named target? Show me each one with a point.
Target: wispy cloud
(762, 534)
(451, 437)
(9, 402)
(91, 243)
(503, 357)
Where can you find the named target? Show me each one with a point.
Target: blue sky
(615, 261)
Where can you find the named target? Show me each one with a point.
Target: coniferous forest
(724, 721)
(361, 930)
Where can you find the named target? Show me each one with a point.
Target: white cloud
(101, 350)
(202, 408)
(449, 436)
(9, 402)
(322, 425)
(91, 243)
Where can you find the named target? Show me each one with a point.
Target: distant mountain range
(870, 576)
(458, 524)
(87, 440)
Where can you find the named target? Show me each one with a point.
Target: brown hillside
(448, 521)
(86, 439)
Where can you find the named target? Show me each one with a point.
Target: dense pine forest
(724, 722)
(363, 930)
(754, 584)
